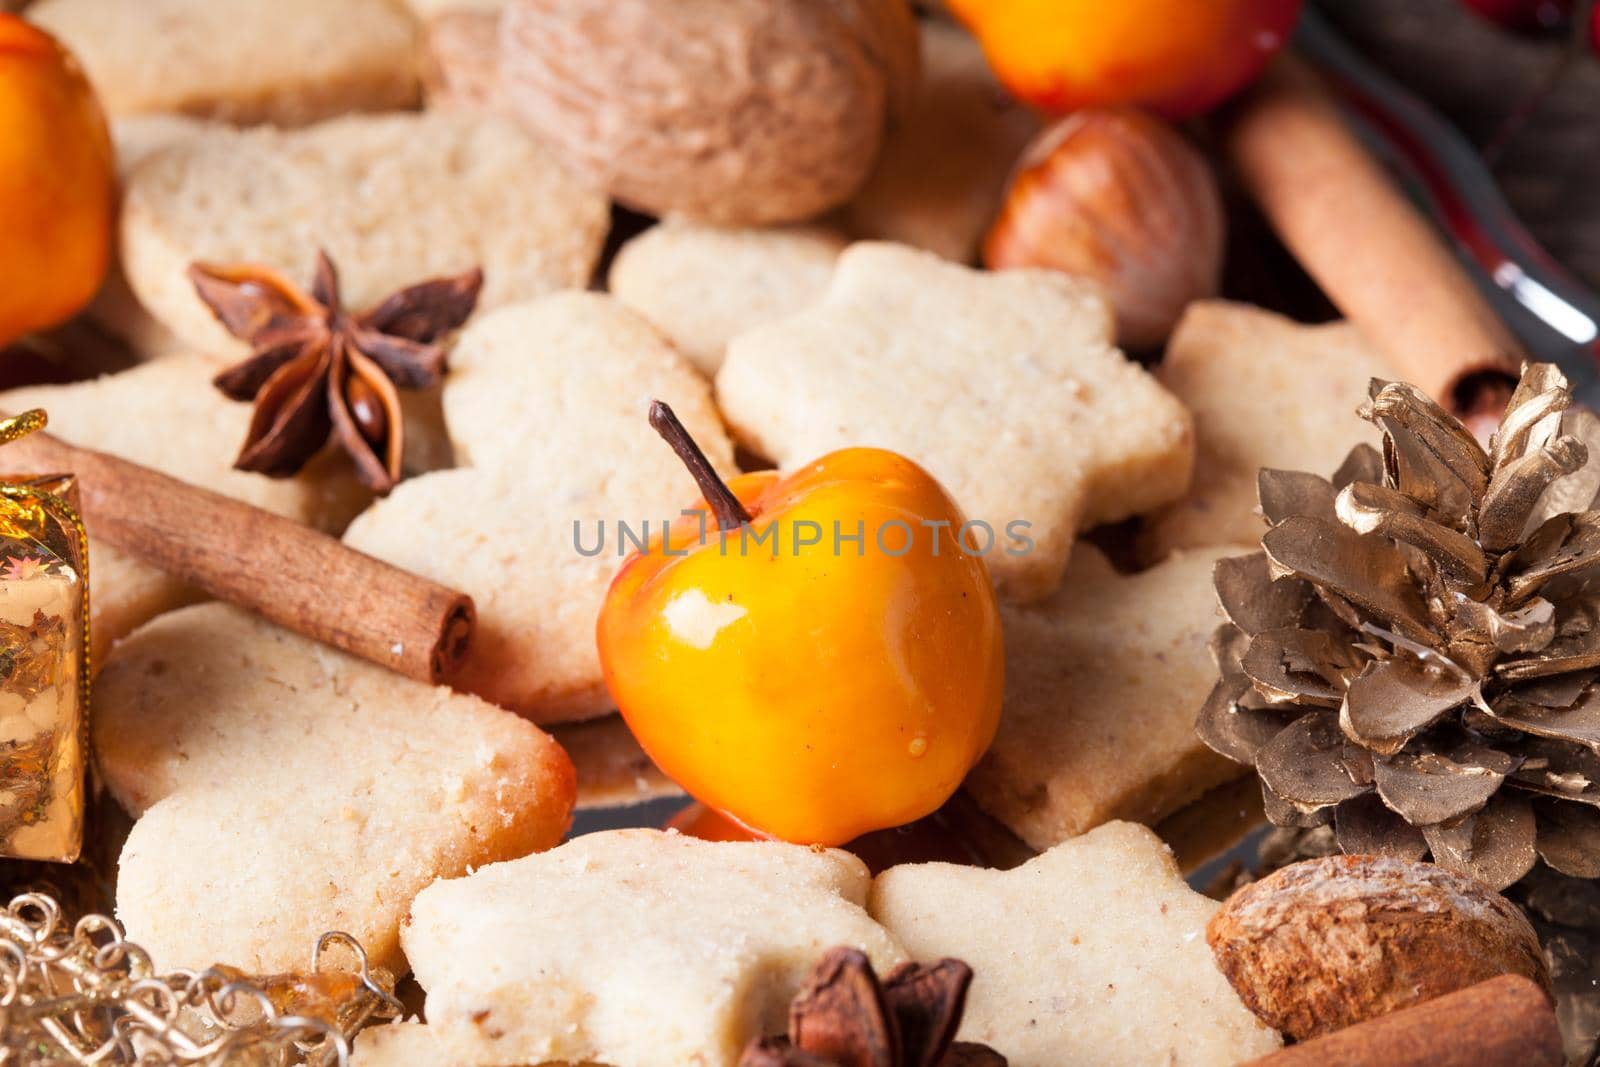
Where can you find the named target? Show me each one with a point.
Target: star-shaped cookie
(1265, 392)
(633, 946)
(1094, 952)
(1103, 683)
(407, 1044)
(283, 789)
(1006, 386)
(167, 415)
(546, 404)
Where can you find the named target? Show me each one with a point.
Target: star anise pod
(1414, 655)
(845, 1017)
(317, 370)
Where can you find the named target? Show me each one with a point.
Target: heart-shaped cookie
(283, 789)
(247, 61)
(393, 199)
(546, 404)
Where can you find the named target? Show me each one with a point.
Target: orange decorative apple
(57, 183)
(1176, 57)
(810, 687)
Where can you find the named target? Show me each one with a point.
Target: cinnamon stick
(298, 577)
(1504, 1022)
(1374, 254)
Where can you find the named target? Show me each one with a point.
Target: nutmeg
(1326, 943)
(1119, 196)
(738, 112)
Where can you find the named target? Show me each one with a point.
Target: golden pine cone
(1414, 654)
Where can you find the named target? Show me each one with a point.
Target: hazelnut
(1121, 197)
(729, 111)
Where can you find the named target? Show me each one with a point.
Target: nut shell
(1326, 943)
(1121, 197)
(461, 59)
(730, 111)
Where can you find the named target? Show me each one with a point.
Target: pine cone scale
(1253, 600)
(1497, 841)
(1307, 764)
(1366, 571)
(1299, 666)
(1392, 700)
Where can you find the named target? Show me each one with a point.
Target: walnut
(729, 111)
(461, 59)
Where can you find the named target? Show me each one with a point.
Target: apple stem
(724, 505)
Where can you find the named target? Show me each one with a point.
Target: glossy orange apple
(810, 689)
(1175, 57)
(57, 184)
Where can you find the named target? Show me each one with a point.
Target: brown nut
(1323, 944)
(729, 111)
(1121, 197)
(461, 59)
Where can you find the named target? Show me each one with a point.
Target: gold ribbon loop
(22, 425)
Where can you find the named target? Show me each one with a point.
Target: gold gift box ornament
(44, 660)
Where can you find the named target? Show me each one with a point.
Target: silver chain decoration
(84, 994)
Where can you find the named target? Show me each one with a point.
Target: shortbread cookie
(634, 946)
(393, 199)
(1265, 392)
(1006, 386)
(613, 771)
(1094, 952)
(117, 312)
(427, 441)
(280, 61)
(546, 404)
(138, 137)
(284, 788)
(167, 415)
(701, 285)
(942, 172)
(429, 9)
(115, 309)
(402, 1044)
(1103, 681)
(412, 1045)
(408, 1044)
